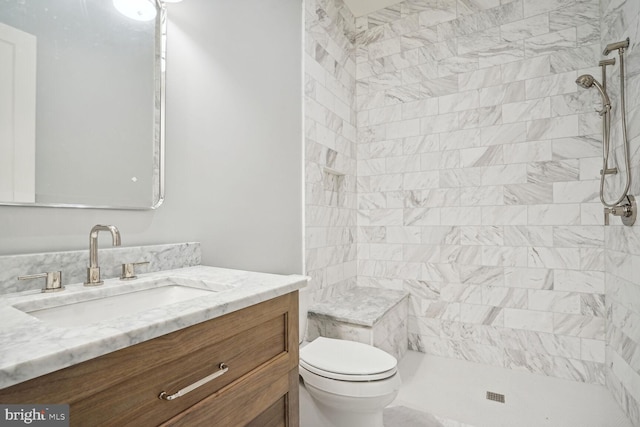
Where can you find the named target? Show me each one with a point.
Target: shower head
(586, 81)
(620, 46)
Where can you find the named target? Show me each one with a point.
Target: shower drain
(496, 397)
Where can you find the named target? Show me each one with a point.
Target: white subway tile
(481, 236)
(458, 102)
(481, 315)
(403, 235)
(505, 174)
(504, 256)
(579, 326)
(385, 252)
(377, 116)
(540, 257)
(560, 214)
(530, 278)
(503, 134)
(535, 7)
(553, 171)
(527, 110)
(554, 301)
(528, 320)
(558, 127)
(497, 95)
(530, 235)
(576, 147)
(468, 177)
(578, 236)
(552, 42)
(421, 216)
(402, 164)
(526, 69)
(481, 196)
(460, 217)
(502, 53)
(438, 14)
(455, 65)
(525, 152)
(576, 191)
(590, 123)
(470, 7)
(403, 129)
(479, 79)
(384, 48)
(528, 194)
(554, 84)
(389, 182)
(371, 167)
(420, 180)
(460, 139)
(479, 41)
(525, 28)
(482, 156)
(438, 124)
(504, 215)
(419, 109)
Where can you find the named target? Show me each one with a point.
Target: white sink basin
(114, 306)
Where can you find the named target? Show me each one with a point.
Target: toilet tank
(303, 310)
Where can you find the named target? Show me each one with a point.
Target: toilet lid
(347, 360)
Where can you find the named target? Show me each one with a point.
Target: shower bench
(373, 316)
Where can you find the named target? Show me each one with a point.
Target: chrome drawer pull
(223, 369)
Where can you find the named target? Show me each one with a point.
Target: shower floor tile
(401, 416)
(453, 393)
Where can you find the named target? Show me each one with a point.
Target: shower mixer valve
(627, 211)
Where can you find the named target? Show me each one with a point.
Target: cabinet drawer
(242, 402)
(137, 398)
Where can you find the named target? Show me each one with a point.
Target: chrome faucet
(93, 272)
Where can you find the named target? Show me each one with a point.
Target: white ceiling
(364, 7)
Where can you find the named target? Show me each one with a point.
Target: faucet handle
(53, 280)
(129, 270)
(627, 211)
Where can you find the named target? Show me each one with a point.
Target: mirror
(81, 105)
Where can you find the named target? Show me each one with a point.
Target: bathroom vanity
(239, 344)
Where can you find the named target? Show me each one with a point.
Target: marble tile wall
(621, 19)
(477, 187)
(330, 141)
(478, 163)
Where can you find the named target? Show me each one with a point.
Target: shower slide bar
(624, 206)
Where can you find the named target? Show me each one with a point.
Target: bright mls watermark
(34, 415)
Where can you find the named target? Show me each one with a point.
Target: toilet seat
(347, 360)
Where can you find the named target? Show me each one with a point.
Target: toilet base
(314, 413)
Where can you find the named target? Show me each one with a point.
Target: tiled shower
(450, 153)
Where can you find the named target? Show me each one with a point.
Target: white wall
(234, 150)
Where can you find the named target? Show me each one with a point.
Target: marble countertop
(30, 347)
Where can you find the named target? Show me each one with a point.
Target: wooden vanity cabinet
(258, 344)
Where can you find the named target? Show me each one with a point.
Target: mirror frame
(158, 154)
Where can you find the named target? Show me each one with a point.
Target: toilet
(344, 383)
